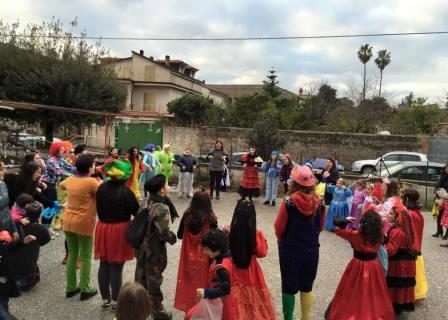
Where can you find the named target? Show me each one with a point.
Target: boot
(217, 194)
(266, 202)
(288, 301)
(211, 193)
(162, 314)
(445, 236)
(306, 305)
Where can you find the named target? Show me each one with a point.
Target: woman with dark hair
(115, 205)
(218, 158)
(247, 243)
(114, 153)
(330, 177)
(411, 202)
(135, 159)
(28, 182)
(194, 264)
(250, 183)
(362, 292)
(298, 224)
(441, 184)
(402, 256)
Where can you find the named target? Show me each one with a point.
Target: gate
(138, 134)
(438, 149)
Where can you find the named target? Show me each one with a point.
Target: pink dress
(357, 203)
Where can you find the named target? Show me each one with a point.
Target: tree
(265, 137)
(364, 54)
(382, 61)
(191, 109)
(46, 65)
(244, 110)
(270, 87)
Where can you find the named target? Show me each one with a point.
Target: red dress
(194, 266)
(253, 300)
(250, 183)
(444, 220)
(229, 305)
(401, 271)
(362, 292)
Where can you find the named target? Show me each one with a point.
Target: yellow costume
(421, 286)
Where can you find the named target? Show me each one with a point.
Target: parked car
(391, 158)
(414, 170)
(26, 139)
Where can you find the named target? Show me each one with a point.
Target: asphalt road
(47, 300)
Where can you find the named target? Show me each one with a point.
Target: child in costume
(359, 196)
(272, 170)
(166, 159)
(152, 257)
(135, 159)
(133, 303)
(285, 172)
(194, 264)
(187, 164)
(297, 227)
(362, 292)
(18, 211)
(247, 243)
(411, 202)
(250, 183)
(401, 271)
(150, 163)
(215, 244)
(339, 207)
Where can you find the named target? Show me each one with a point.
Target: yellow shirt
(80, 212)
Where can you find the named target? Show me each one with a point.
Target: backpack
(135, 234)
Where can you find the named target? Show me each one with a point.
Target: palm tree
(382, 61)
(364, 54)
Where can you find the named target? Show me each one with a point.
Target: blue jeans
(4, 309)
(271, 188)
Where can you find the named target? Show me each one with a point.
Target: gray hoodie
(216, 163)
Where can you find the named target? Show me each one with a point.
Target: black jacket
(186, 163)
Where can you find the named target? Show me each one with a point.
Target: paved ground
(47, 300)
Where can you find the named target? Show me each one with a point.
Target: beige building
(152, 84)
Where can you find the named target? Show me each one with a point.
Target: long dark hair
(199, 213)
(29, 157)
(243, 234)
(392, 188)
(411, 199)
(333, 164)
(371, 227)
(131, 156)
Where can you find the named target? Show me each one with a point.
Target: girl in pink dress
(359, 196)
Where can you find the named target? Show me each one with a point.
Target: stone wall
(346, 147)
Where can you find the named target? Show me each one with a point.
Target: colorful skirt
(250, 184)
(421, 285)
(111, 244)
(338, 209)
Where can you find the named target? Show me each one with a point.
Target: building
(152, 84)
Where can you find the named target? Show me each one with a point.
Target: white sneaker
(54, 233)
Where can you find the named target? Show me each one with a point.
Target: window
(408, 157)
(412, 173)
(434, 173)
(392, 157)
(149, 102)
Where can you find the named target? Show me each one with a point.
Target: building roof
(187, 66)
(238, 90)
(145, 114)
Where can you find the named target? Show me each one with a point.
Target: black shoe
(88, 295)
(445, 245)
(436, 235)
(73, 293)
(266, 202)
(445, 237)
(163, 315)
(273, 203)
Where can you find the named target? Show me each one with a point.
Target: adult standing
(57, 169)
(250, 183)
(218, 157)
(166, 159)
(79, 223)
(330, 177)
(297, 227)
(115, 205)
(442, 183)
(150, 163)
(135, 159)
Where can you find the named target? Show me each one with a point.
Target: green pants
(79, 247)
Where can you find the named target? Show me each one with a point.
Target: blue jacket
(272, 170)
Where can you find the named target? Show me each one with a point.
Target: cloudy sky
(419, 63)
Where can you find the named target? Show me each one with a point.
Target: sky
(419, 63)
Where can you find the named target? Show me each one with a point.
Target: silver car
(389, 159)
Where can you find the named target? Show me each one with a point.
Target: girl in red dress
(215, 245)
(247, 243)
(362, 292)
(194, 264)
(250, 184)
(402, 269)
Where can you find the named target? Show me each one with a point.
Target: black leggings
(439, 220)
(215, 181)
(110, 275)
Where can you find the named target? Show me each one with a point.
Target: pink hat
(303, 175)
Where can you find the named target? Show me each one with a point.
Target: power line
(366, 35)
